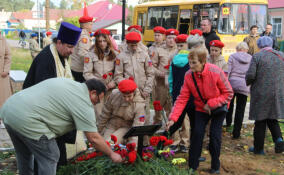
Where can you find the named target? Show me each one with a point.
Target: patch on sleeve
(153, 54)
(150, 63)
(142, 118)
(84, 40)
(86, 60)
(117, 61)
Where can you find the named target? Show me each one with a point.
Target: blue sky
(57, 2)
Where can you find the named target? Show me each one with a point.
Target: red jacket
(213, 86)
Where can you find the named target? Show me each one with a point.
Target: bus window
(154, 14)
(203, 11)
(170, 16)
(257, 16)
(184, 21)
(162, 16)
(141, 20)
(233, 19)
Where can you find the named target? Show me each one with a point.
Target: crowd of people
(114, 86)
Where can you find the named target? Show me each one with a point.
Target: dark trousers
(201, 120)
(69, 137)
(239, 114)
(78, 76)
(259, 132)
(27, 150)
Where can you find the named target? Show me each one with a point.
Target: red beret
(196, 31)
(127, 86)
(137, 27)
(172, 32)
(133, 37)
(181, 38)
(217, 43)
(48, 33)
(159, 29)
(102, 31)
(85, 18)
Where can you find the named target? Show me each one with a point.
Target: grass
(21, 59)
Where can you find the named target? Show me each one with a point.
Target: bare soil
(235, 158)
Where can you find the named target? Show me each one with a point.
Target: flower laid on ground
(166, 153)
(178, 161)
(113, 138)
(146, 156)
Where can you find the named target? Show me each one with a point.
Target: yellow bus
(231, 19)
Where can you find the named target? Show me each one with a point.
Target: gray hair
(195, 40)
(242, 46)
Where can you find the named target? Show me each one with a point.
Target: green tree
(51, 5)
(63, 4)
(16, 5)
(73, 20)
(78, 4)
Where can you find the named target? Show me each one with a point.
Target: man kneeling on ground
(34, 117)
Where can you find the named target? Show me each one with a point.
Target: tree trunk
(47, 14)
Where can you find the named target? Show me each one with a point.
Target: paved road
(15, 43)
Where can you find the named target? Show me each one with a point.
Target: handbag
(220, 110)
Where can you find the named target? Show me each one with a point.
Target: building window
(277, 26)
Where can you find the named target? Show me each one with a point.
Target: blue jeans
(43, 150)
(201, 120)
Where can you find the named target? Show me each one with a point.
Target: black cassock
(42, 68)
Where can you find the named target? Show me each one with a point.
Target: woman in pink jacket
(215, 92)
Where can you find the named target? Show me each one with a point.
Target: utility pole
(38, 15)
(47, 6)
(123, 19)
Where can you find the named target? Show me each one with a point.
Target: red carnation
(157, 106)
(131, 146)
(113, 138)
(163, 138)
(105, 76)
(116, 147)
(154, 140)
(132, 157)
(93, 154)
(81, 158)
(168, 142)
(110, 73)
(123, 153)
(167, 67)
(146, 156)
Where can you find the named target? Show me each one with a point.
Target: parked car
(117, 39)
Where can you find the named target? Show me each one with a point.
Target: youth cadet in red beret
(159, 37)
(47, 40)
(137, 29)
(83, 46)
(215, 56)
(99, 63)
(161, 60)
(124, 108)
(134, 62)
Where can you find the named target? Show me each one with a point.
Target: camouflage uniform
(118, 116)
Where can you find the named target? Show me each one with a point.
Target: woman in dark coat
(266, 77)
